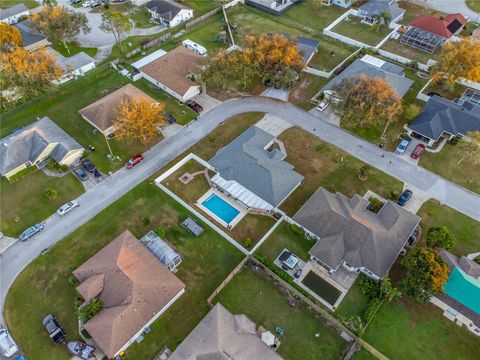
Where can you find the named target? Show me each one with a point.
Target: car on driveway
(66, 208)
(418, 151)
(322, 105)
(194, 106)
(31, 231)
(402, 147)
(137, 159)
(7, 345)
(55, 331)
(81, 175)
(406, 195)
(88, 165)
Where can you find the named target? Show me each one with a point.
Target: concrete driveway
(328, 115)
(419, 197)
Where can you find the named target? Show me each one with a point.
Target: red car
(134, 161)
(194, 106)
(418, 151)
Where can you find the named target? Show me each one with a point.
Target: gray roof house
(73, 66)
(373, 67)
(31, 38)
(305, 46)
(443, 117)
(12, 14)
(223, 336)
(351, 235)
(372, 9)
(169, 12)
(35, 143)
(252, 166)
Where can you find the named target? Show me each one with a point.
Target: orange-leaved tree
(10, 37)
(138, 120)
(27, 72)
(458, 60)
(366, 101)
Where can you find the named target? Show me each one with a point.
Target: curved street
(20, 254)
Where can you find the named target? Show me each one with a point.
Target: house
(275, 7)
(371, 67)
(103, 113)
(134, 287)
(168, 12)
(352, 236)
(12, 14)
(305, 46)
(459, 301)
(222, 335)
(31, 39)
(372, 10)
(73, 66)
(341, 3)
(173, 72)
(253, 171)
(34, 143)
(443, 118)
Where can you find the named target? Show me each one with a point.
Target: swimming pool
(322, 288)
(220, 208)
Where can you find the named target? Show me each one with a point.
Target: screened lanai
(422, 40)
(163, 251)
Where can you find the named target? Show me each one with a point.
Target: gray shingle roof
(12, 11)
(246, 161)
(73, 62)
(377, 7)
(223, 336)
(441, 115)
(349, 231)
(27, 145)
(166, 9)
(393, 74)
(29, 35)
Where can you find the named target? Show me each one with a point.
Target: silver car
(69, 206)
(7, 345)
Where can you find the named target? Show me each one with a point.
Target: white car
(7, 345)
(86, 4)
(322, 105)
(69, 206)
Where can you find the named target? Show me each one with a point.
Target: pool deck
(242, 211)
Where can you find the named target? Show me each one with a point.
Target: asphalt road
(450, 7)
(96, 199)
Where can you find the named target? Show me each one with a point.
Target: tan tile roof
(103, 112)
(134, 287)
(173, 68)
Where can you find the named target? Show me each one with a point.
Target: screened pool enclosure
(163, 251)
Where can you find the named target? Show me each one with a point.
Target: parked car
(31, 231)
(81, 175)
(137, 159)
(88, 165)
(86, 3)
(406, 195)
(322, 105)
(55, 331)
(194, 106)
(7, 345)
(402, 147)
(75, 1)
(66, 208)
(418, 151)
(95, 4)
(97, 173)
(170, 118)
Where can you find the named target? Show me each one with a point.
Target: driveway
(113, 187)
(450, 7)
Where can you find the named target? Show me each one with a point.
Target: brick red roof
(443, 27)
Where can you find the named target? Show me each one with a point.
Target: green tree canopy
(440, 237)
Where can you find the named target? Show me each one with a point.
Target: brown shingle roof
(102, 113)
(173, 68)
(135, 287)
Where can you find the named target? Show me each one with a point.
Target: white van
(7, 345)
(199, 49)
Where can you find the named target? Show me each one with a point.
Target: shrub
(85, 334)
(89, 310)
(370, 288)
(106, 6)
(440, 237)
(72, 280)
(363, 172)
(247, 242)
(477, 259)
(394, 195)
(146, 221)
(297, 230)
(372, 309)
(50, 194)
(454, 140)
(160, 232)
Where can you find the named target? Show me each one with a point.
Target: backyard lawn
(23, 203)
(363, 354)
(74, 49)
(445, 163)
(330, 53)
(257, 296)
(141, 17)
(474, 5)
(201, 6)
(9, 3)
(325, 165)
(394, 46)
(354, 29)
(465, 229)
(314, 15)
(447, 92)
(406, 330)
(413, 11)
(353, 304)
(206, 261)
(306, 87)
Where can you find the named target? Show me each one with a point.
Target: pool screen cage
(163, 251)
(422, 40)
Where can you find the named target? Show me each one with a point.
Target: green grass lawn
(141, 17)
(447, 92)
(207, 33)
(445, 163)
(465, 230)
(201, 6)
(325, 165)
(74, 50)
(31, 4)
(353, 304)
(284, 238)
(413, 11)
(406, 330)
(354, 29)
(474, 5)
(23, 203)
(324, 59)
(305, 88)
(394, 46)
(313, 15)
(207, 260)
(257, 296)
(363, 354)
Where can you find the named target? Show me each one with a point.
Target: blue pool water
(221, 208)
